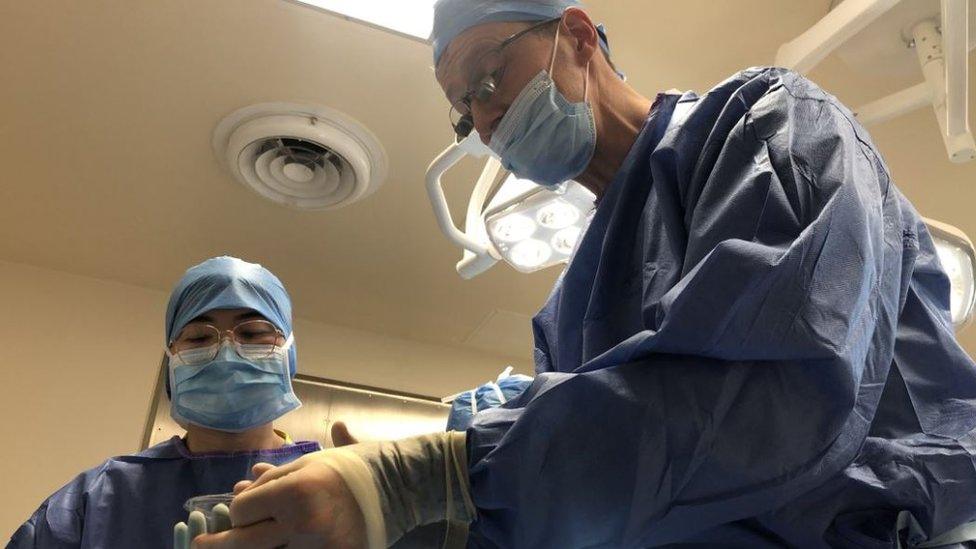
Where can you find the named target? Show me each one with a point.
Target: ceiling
(107, 109)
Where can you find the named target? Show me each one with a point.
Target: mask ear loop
(552, 65)
(555, 46)
(586, 84)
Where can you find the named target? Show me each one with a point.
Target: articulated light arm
(840, 24)
(930, 48)
(955, 37)
(479, 255)
(942, 47)
(435, 191)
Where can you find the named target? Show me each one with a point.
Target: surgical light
(513, 228)
(565, 240)
(560, 214)
(957, 270)
(511, 219)
(530, 254)
(958, 259)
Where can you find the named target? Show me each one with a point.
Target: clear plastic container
(205, 505)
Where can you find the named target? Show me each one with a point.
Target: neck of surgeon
(619, 114)
(201, 440)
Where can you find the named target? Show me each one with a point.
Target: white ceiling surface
(107, 109)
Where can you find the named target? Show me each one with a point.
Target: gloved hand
(184, 534)
(366, 494)
(341, 435)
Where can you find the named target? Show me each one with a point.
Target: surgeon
(751, 347)
(231, 356)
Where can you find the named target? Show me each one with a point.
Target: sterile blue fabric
(489, 395)
(134, 500)
(230, 283)
(751, 347)
(452, 17)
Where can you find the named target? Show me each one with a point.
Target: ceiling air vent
(305, 157)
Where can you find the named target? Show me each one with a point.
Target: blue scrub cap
(229, 283)
(452, 17)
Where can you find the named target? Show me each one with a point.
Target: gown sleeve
(59, 522)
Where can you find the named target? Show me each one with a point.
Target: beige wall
(78, 363)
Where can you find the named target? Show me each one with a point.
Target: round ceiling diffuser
(302, 156)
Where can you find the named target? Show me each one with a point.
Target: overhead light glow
(531, 253)
(413, 17)
(537, 227)
(565, 240)
(513, 228)
(558, 215)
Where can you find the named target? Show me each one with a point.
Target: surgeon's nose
(486, 116)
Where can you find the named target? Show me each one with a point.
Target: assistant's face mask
(544, 137)
(232, 393)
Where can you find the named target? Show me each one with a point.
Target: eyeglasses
(252, 339)
(460, 115)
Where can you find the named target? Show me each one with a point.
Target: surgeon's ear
(577, 23)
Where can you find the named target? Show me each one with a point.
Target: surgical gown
(134, 501)
(751, 348)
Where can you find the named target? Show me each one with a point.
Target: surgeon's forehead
(232, 315)
(453, 70)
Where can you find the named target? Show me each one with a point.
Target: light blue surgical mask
(544, 137)
(232, 393)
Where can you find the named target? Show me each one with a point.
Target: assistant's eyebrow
(201, 318)
(247, 315)
(250, 315)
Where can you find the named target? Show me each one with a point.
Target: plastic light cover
(957, 261)
(543, 229)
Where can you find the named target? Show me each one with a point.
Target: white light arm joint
(479, 256)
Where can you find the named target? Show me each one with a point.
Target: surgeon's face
(475, 54)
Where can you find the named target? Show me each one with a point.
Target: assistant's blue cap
(452, 17)
(229, 283)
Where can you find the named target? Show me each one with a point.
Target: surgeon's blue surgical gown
(752, 345)
(134, 501)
